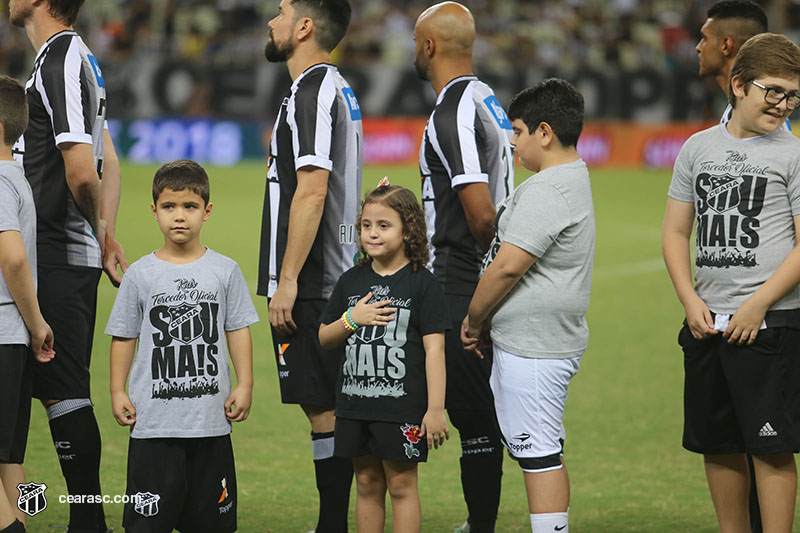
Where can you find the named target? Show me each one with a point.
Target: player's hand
(746, 321)
(434, 427)
(698, 317)
(471, 337)
(123, 409)
(237, 406)
(281, 305)
(374, 314)
(42, 342)
(114, 255)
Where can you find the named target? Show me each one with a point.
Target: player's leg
(729, 484)
(16, 383)
(401, 482)
(776, 476)
(307, 375)
(68, 300)
(530, 396)
(470, 406)
(158, 483)
(370, 494)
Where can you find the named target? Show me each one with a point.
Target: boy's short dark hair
(179, 175)
(554, 101)
(766, 54)
(65, 10)
(331, 19)
(747, 18)
(13, 109)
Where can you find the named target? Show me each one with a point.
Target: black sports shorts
(743, 398)
(391, 441)
(16, 383)
(183, 484)
(307, 372)
(68, 300)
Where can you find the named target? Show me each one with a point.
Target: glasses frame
(791, 105)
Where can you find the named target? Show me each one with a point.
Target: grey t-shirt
(552, 217)
(17, 213)
(180, 379)
(745, 194)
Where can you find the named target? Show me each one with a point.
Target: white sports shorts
(529, 398)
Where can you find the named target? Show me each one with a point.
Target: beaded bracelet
(352, 322)
(346, 324)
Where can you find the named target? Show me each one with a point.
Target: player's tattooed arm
(122, 408)
(240, 345)
(675, 235)
(84, 184)
(434, 423)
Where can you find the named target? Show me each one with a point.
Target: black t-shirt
(382, 376)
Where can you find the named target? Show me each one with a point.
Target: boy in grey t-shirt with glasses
(187, 306)
(738, 184)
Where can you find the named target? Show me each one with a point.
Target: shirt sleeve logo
(352, 103)
(97, 74)
(498, 112)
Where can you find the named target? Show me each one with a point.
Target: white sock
(550, 522)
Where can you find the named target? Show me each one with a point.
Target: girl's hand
(698, 317)
(434, 426)
(374, 314)
(745, 322)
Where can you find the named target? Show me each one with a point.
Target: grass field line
(631, 268)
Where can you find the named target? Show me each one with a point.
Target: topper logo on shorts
(228, 506)
(522, 437)
(31, 499)
(146, 503)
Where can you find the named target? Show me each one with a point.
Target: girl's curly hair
(415, 235)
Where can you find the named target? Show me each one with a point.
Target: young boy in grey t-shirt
(22, 328)
(187, 306)
(534, 293)
(738, 184)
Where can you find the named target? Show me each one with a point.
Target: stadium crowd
(598, 34)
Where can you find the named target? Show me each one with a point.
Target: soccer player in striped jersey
(467, 167)
(64, 152)
(308, 236)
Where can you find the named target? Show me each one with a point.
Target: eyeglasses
(775, 96)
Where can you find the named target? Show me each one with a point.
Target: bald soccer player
(729, 24)
(467, 167)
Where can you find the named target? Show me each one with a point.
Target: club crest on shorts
(31, 499)
(185, 322)
(146, 503)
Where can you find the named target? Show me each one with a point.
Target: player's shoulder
(58, 46)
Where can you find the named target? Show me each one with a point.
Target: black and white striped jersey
(466, 140)
(318, 125)
(728, 114)
(67, 101)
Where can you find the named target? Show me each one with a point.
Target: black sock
(334, 477)
(77, 440)
(481, 465)
(16, 527)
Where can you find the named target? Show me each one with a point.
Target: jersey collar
(52, 38)
(309, 69)
(453, 82)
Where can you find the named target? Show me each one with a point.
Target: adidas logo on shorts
(767, 431)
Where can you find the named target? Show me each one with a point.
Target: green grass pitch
(623, 418)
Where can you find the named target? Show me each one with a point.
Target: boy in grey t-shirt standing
(177, 302)
(22, 328)
(739, 185)
(535, 290)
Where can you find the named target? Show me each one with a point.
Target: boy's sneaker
(464, 528)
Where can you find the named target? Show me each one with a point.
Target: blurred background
(188, 78)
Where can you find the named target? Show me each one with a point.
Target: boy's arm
(240, 346)
(110, 188)
(434, 423)
(746, 321)
(305, 215)
(675, 235)
(19, 280)
(509, 265)
(122, 351)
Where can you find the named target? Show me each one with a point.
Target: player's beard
(420, 66)
(278, 54)
(20, 14)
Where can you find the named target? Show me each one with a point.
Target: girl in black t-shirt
(388, 312)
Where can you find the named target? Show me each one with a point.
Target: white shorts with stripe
(529, 397)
